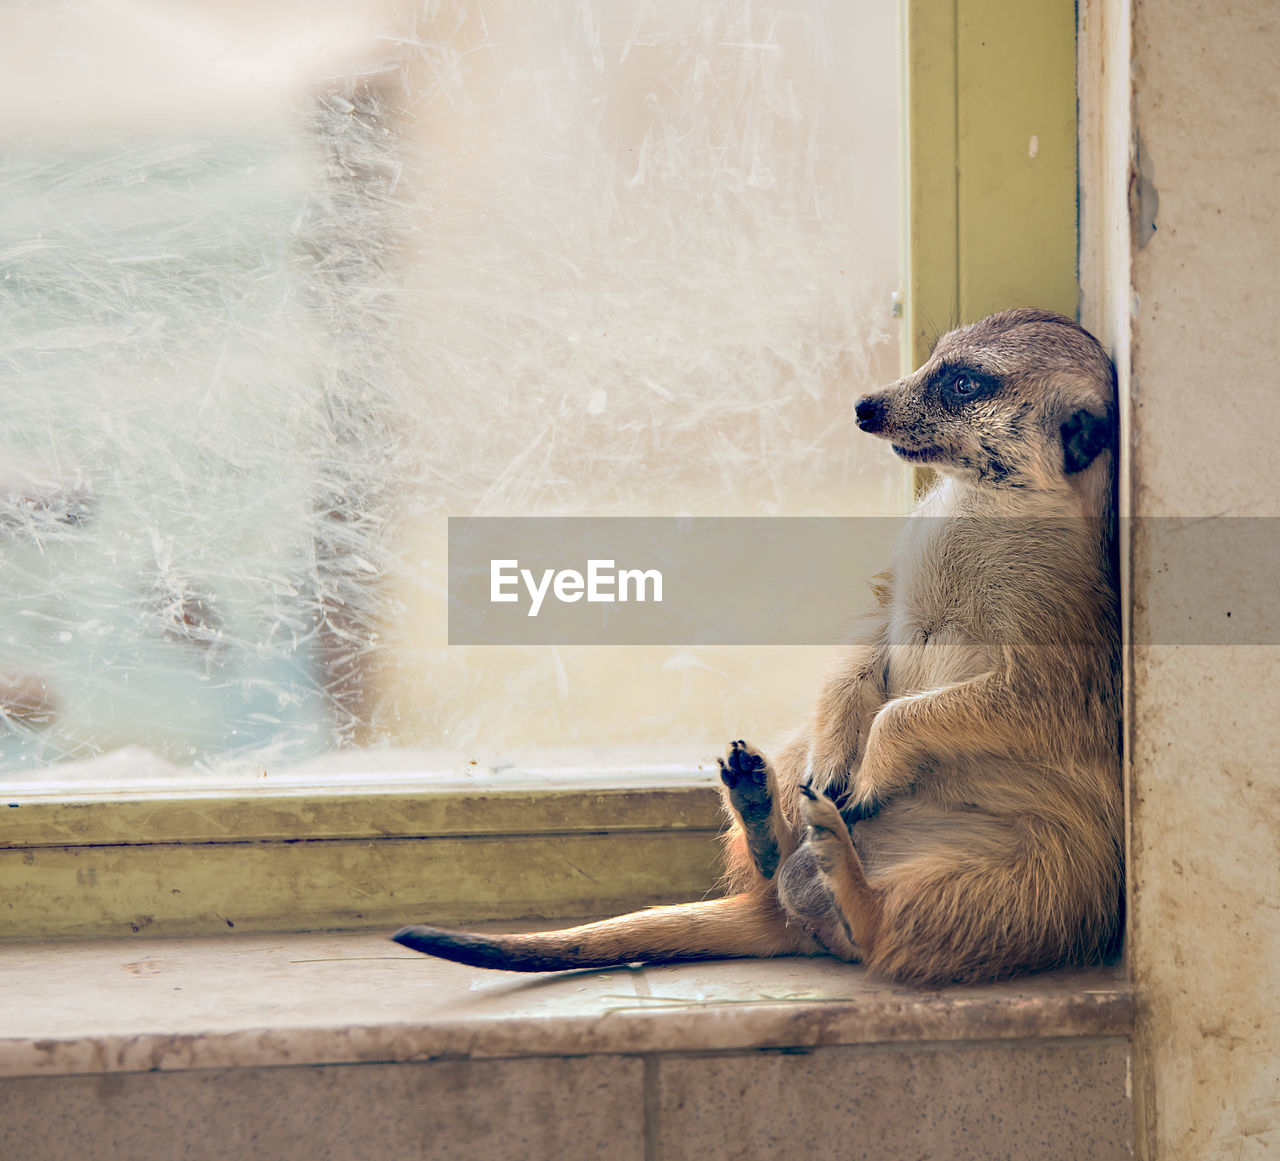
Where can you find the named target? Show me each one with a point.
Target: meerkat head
(1023, 399)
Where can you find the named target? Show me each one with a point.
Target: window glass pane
(284, 286)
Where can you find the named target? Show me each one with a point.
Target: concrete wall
(1181, 247)
(1051, 1101)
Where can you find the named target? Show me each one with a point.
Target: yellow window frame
(989, 162)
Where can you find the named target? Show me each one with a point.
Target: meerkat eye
(964, 385)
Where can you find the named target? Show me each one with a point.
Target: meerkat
(952, 811)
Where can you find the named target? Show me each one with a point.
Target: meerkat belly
(934, 632)
(920, 660)
(932, 837)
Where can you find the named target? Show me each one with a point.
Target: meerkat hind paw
(819, 812)
(745, 773)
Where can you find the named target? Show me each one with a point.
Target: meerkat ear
(1084, 437)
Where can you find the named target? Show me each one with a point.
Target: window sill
(115, 1006)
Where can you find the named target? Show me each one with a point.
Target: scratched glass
(284, 286)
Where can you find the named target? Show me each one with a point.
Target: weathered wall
(1203, 394)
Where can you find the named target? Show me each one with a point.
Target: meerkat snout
(869, 412)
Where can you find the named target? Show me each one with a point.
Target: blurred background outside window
(284, 285)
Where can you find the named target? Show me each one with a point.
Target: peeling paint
(1146, 198)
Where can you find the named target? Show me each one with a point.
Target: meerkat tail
(738, 926)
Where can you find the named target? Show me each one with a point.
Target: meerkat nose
(869, 413)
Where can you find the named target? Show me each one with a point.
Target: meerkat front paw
(854, 811)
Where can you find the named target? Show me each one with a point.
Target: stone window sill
(244, 1001)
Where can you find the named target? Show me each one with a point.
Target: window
(283, 290)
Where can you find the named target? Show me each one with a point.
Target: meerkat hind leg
(752, 788)
(859, 905)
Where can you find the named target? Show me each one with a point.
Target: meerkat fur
(952, 810)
